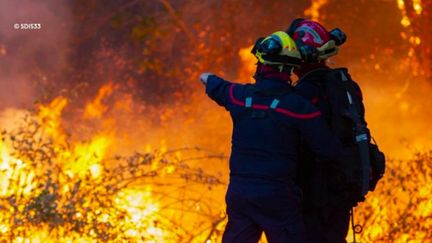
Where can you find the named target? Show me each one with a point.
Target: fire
(50, 115)
(109, 170)
(88, 157)
(313, 12)
(417, 6)
(14, 170)
(54, 187)
(142, 212)
(399, 210)
(416, 21)
(248, 63)
(405, 20)
(96, 108)
(83, 156)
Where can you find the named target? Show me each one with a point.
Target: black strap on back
(361, 132)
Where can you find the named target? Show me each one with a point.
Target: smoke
(11, 119)
(30, 57)
(132, 55)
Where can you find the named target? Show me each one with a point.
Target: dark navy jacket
(265, 141)
(311, 87)
(320, 184)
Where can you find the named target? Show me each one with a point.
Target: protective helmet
(314, 42)
(278, 49)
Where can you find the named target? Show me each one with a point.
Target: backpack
(361, 164)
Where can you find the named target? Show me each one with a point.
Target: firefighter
(268, 121)
(330, 191)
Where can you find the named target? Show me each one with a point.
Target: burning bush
(147, 197)
(400, 210)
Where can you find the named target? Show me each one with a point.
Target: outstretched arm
(217, 89)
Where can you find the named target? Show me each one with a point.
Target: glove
(204, 77)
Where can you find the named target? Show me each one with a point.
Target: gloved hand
(204, 77)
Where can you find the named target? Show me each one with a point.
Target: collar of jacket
(265, 72)
(272, 83)
(316, 74)
(306, 69)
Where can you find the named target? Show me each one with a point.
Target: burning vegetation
(55, 189)
(115, 151)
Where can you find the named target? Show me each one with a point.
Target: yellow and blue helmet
(278, 49)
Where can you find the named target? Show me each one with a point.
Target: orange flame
(313, 12)
(96, 108)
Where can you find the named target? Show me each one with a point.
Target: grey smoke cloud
(28, 56)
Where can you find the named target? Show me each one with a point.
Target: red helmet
(314, 42)
(311, 33)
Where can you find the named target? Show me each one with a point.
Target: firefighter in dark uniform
(268, 121)
(328, 195)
